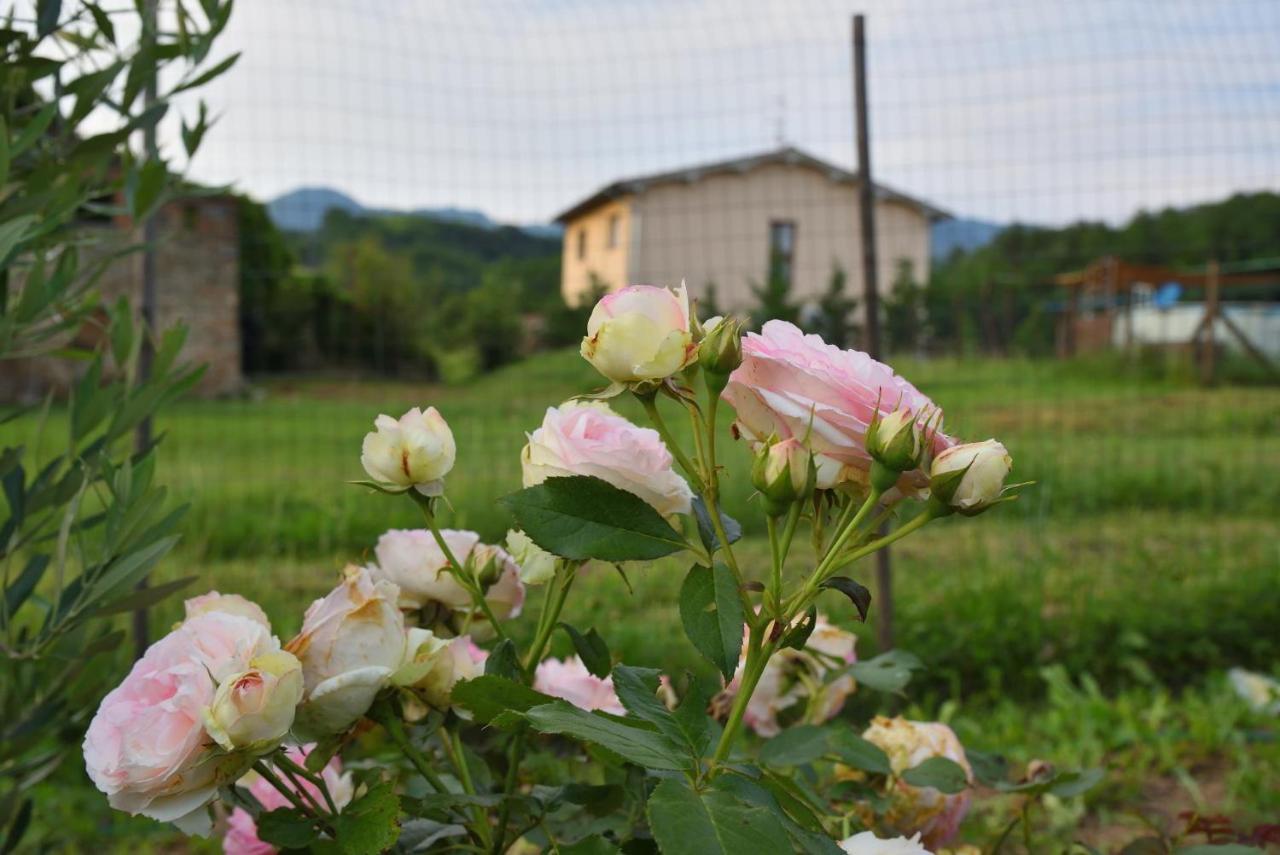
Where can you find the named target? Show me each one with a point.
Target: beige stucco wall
(608, 263)
(717, 229)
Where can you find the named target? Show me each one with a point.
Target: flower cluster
(839, 443)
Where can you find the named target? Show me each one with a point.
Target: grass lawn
(1087, 623)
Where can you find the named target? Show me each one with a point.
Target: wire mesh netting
(1078, 252)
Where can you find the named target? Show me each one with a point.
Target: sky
(1043, 112)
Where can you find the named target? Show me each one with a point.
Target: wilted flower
(147, 747)
(794, 677)
(254, 709)
(934, 814)
(640, 334)
(582, 438)
(866, 843)
(434, 665)
(242, 832)
(970, 478)
(536, 564)
(570, 680)
(415, 451)
(796, 385)
(1260, 692)
(351, 642)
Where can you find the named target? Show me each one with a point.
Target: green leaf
(207, 76)
(637, 688)
(859, 753)
(643, 747)
(989, 769)
(945, 776)
(711, 611)
(489, 696)
(12, 233)
(504, 661)
(368, 825)
(786, 801)
(47, 12)
(706, 529)
(582, 518)
(143, 188)
(888, 672)
(798, 636)
(22, 587)
(592, 650)
(592, 845)
(1076, 782)
(4, 151)
(712, 822)
(795, 746)
(859, 595)
(286, 828)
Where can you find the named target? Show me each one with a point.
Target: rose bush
(502, 747)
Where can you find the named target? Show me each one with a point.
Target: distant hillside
(304, 210)
(964, 235)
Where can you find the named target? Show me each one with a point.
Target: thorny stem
(317, 780)
(793, 603)
(550, 614)
(758, 652)
(294, 798)
(456, 567)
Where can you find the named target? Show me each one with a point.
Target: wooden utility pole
(146, 353)
(871, 296)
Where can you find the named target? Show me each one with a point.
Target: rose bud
(969, 478)
(254, 710)
(536, 564)
(417, 451)
(784, 473)
(897, 441)
(351, 641)
(720, 351)
(640, 334)
(434, 665)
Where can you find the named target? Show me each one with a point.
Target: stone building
(197, 283)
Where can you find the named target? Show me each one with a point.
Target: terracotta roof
(787, 155)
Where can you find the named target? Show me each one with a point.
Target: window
(615, 226)
(582, 243)
(782, 248)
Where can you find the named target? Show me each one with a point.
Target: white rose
(413, 560)
(988, 465)
(866, 843)
(351, 642)
(254, 709)
(415, 451)
(536, 564)
(639, 334)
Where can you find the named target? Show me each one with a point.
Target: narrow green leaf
(4, 151)
(47, 12)
(144, 188)
(591, 649)
(946, 776)
(858, 594)
(713, 822)
(584, 518)
(22, 587)
(207, 76)
(12, 233)
(711, 611)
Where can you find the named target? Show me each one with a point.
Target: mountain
(965, 235)
(304, 210)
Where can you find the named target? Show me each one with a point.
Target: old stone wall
(197, 283)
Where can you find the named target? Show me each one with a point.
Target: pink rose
(908, 744)
(571, 681)
(242, 831)
(413, 560)
(796, 385)
(147, 747)
(640, 334)
(588, 438)
(229, 603)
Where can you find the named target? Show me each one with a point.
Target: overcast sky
(1003, 110)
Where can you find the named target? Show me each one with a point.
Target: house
(197, 283)
(736, 223)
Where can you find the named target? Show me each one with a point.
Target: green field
(1089, 622)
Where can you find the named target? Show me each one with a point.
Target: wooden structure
(1109, 284)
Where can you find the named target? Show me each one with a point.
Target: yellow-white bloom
(417, 450)
(640, 334)
(536, 564)
(254, 709)
(434, 665)
(988, 464)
